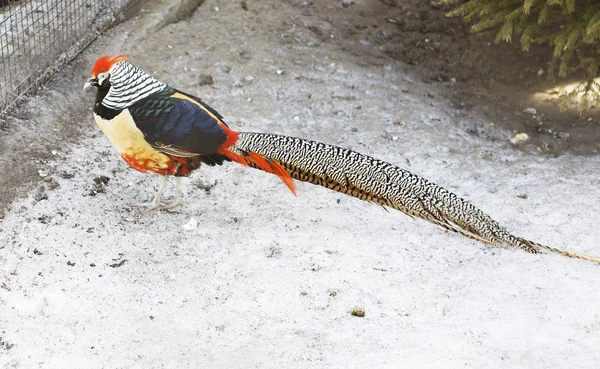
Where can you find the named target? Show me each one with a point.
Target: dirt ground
(480, 78)
(247, 275)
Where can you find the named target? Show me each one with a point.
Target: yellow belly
(129, 141)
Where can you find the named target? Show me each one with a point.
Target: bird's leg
(156, 204)
(178, 197)
(160, 205)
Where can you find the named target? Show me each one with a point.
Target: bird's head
(120, 84)
(100, 76)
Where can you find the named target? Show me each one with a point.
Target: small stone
(52, 183)
(279, 71)
(347, 3)
(117, 264)
(190, 225)
(249, 78)
(519, 138)
(530, 111)
(205, 79)
(357, 311)
(40, 195)
(44, 219)
(522, 195)
(563, 135)
(101, 180)
(206, 186)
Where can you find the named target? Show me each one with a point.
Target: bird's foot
(147, 207)
(157, 203)
(168, 205)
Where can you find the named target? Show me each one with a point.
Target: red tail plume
(260, 161)
(263, 163)
(273, 167)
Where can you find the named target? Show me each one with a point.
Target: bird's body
(129, 142)
(156, 128)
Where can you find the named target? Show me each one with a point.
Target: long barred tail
(376, 181)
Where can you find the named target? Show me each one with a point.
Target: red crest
(104, 63)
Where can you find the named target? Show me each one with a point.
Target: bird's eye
(101, 77)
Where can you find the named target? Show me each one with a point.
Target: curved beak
(92, 82)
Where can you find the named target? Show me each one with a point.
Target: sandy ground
(266, 279)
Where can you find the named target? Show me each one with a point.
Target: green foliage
(570, 27)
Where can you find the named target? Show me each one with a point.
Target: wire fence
(39, 37)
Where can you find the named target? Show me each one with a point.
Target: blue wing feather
(178, 123)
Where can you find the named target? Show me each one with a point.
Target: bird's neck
(101, 110)
(129, 84)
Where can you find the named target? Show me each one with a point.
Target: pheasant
(157, 128)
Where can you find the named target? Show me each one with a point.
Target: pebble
(190, 225)
(519, 138)
(205, 79)
(357, 311)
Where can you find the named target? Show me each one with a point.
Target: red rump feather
(260, 161)
(104, 63)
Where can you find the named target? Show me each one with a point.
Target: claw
(157, 203)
